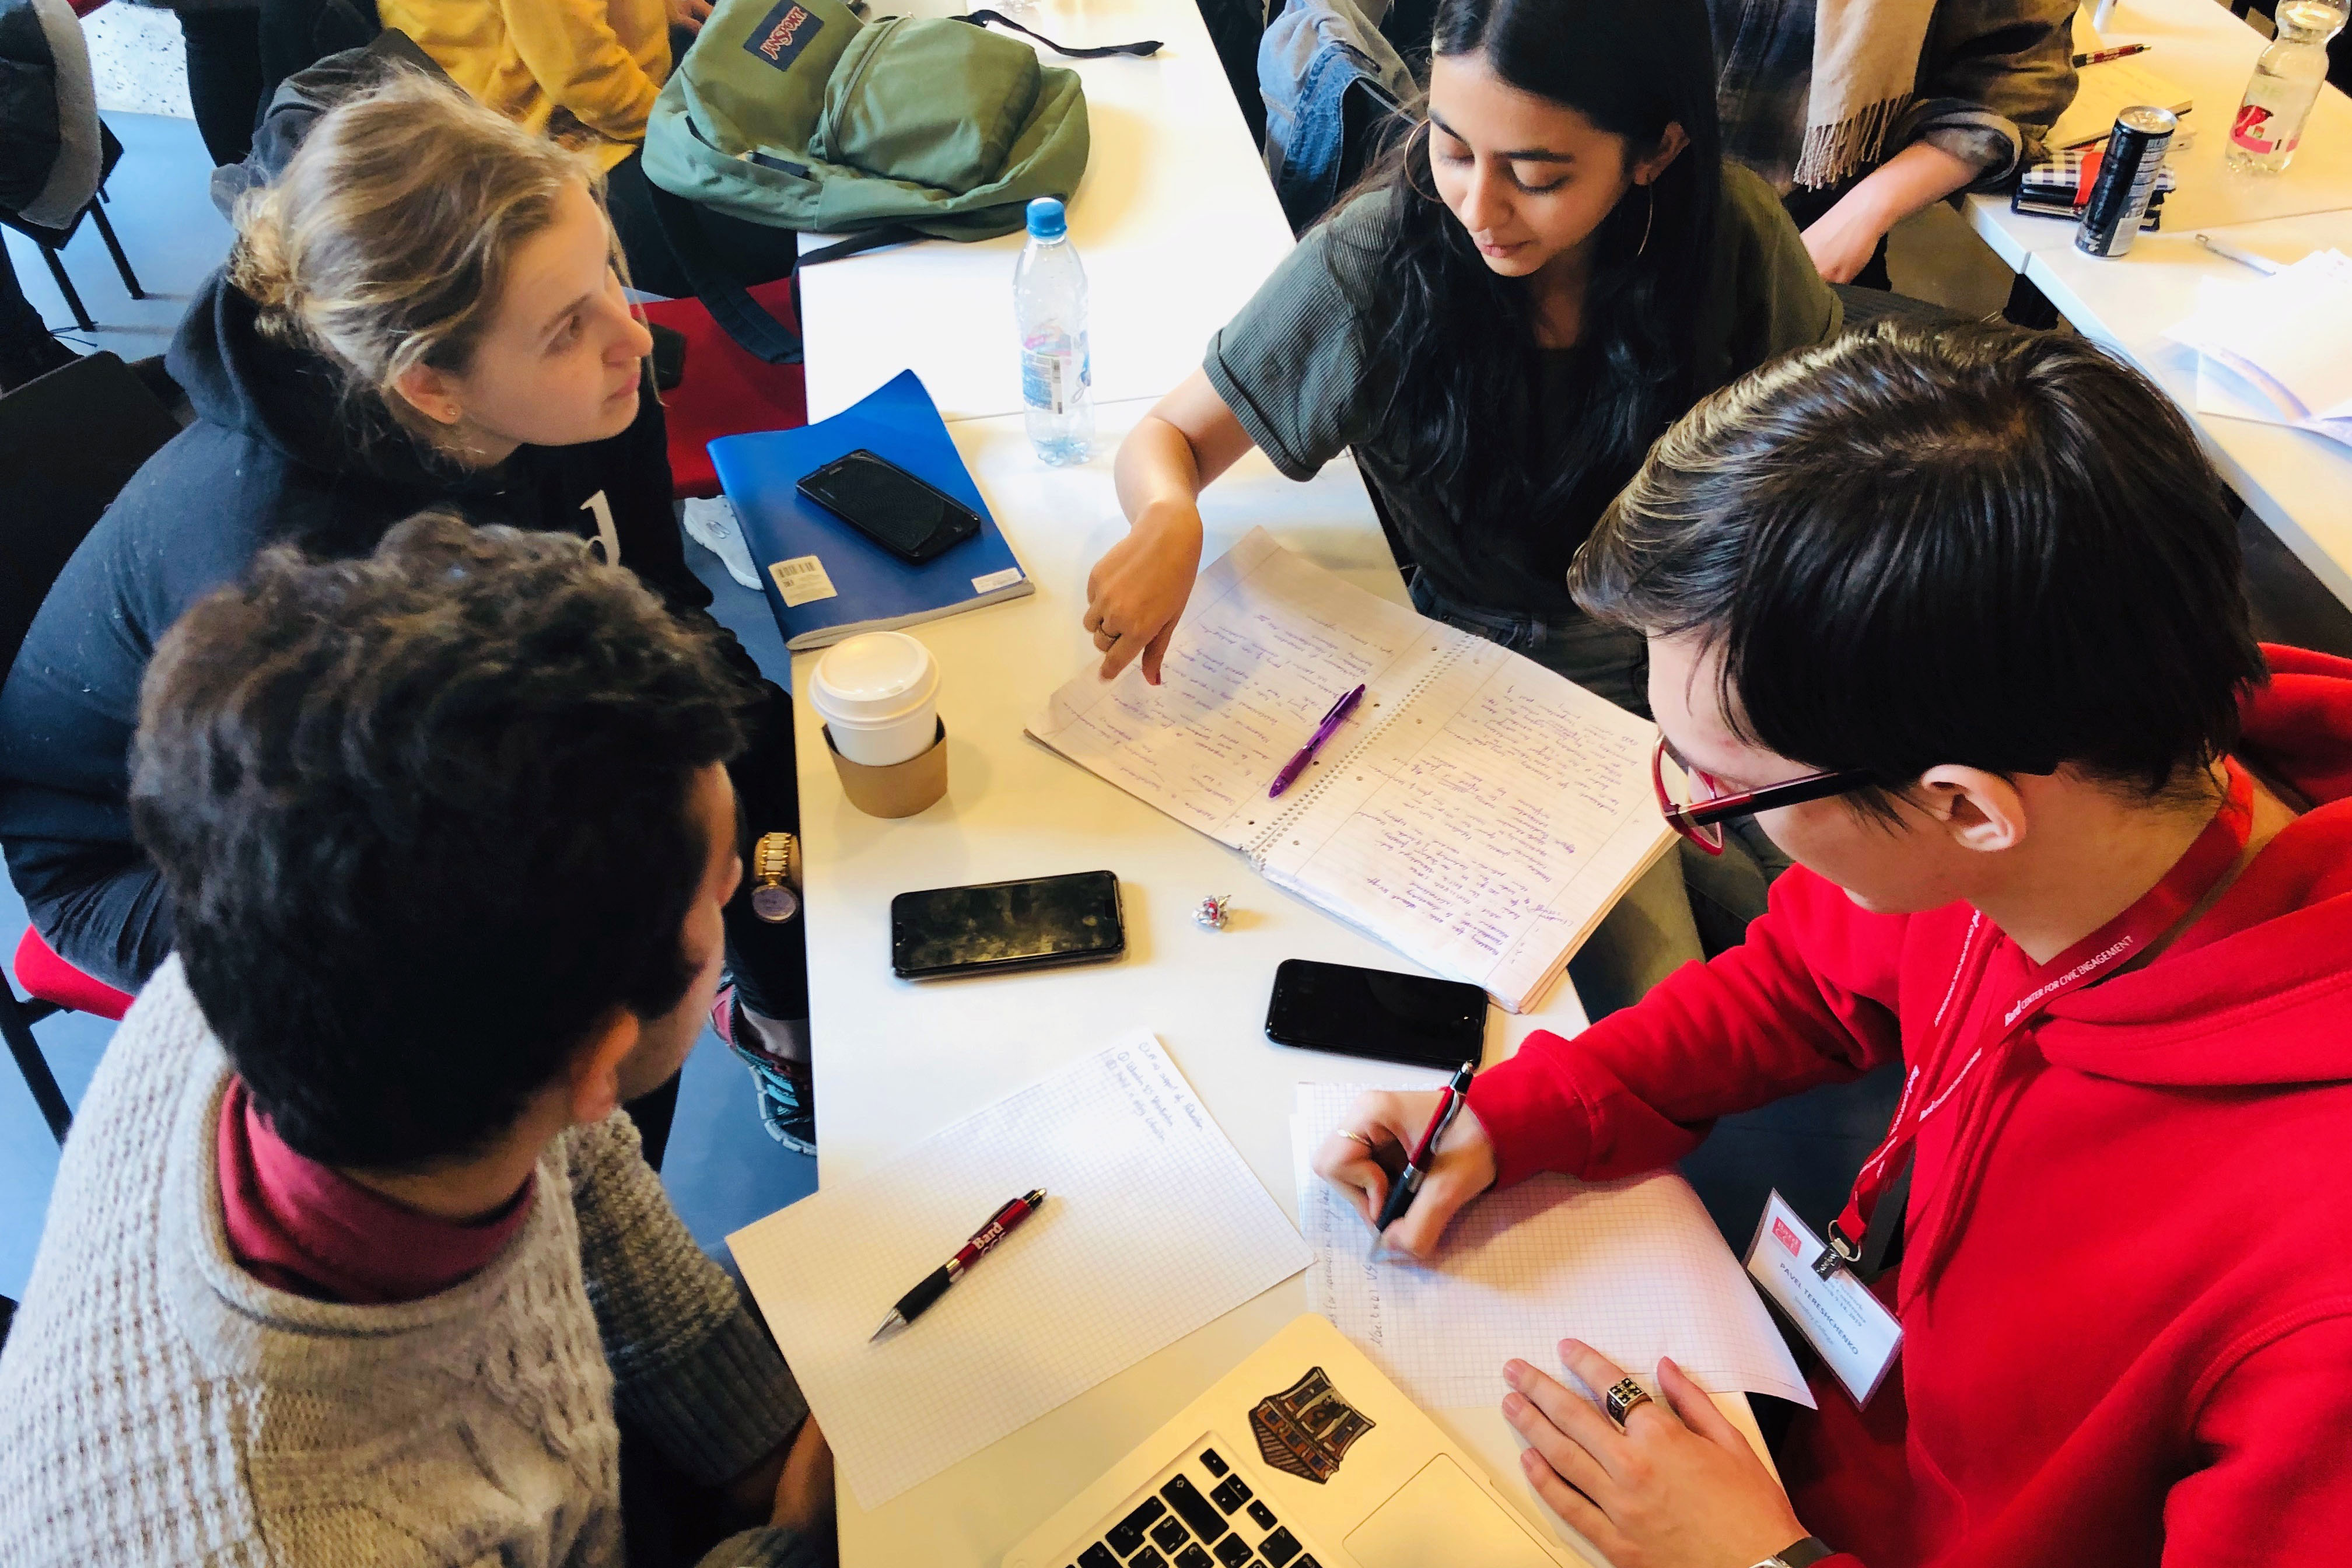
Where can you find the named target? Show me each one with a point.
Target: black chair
(53, 240)
(68, 441)
(1865, 307)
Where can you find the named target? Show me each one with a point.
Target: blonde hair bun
(385, 241)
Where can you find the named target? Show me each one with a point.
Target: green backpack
(795, 114)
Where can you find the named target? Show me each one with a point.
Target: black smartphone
(910, 518)
(1373, 1013)
(994, 926)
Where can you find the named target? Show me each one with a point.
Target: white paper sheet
(1152, 1225)
(2277, 349)
(1635, 1268)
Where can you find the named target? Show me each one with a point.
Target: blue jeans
(1608, 661)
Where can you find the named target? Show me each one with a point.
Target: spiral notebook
(1477, 812)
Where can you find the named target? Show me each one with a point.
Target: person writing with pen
(1960, 619)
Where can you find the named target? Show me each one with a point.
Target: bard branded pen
(915, 1302)
(1457, 1093)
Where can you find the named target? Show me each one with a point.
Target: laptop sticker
(1306, 1429)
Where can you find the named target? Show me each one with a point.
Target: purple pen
(1323, 731)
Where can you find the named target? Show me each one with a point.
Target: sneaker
(787, 1092)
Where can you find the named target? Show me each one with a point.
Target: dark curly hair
(425, 818)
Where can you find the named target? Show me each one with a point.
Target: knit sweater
(160, 1405)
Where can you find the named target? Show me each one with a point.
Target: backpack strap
(730, 304)
(866, 239)
(981, 18)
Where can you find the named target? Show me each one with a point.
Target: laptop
(1305, 1455)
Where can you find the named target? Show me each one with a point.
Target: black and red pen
(1416, 1166)
(915, 1302)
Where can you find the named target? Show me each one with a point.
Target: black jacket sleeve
(632, 470)
(187, 521)
(769, 962)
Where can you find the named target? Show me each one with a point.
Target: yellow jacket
(584, 71)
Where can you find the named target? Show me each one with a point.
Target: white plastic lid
(875, 677)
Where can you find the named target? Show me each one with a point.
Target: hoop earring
(1419, 132)
(1648, 218)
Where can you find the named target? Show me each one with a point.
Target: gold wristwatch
(775, 872)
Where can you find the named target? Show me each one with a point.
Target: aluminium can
(2128, 171)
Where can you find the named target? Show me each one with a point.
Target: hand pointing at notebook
(1369, 1149)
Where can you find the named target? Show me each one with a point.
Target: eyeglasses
(1701, 821)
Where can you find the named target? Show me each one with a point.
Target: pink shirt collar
(307, 1228)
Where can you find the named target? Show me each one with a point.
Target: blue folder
(801, 547)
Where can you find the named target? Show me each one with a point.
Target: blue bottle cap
(1046, 220)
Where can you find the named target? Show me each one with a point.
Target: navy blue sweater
(272, 458)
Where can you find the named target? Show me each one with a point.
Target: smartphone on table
(911, 518)
(1376, 1013)
(995, 926)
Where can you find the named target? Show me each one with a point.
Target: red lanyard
(2192, 878)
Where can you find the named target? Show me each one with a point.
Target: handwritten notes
(1480, 814)
(1634, 1269)
(1488, 829)
(1152, 1226)
(1268, 643)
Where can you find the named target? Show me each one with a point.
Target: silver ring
(1623, 1396)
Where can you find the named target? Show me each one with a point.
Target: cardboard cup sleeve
(901, 789)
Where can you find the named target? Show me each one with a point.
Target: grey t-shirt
(1293, 366)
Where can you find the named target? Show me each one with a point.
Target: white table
(2200, 45)
(1175, 221)
(2299, 484)
(895, 1061)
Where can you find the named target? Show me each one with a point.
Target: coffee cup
(878, 694)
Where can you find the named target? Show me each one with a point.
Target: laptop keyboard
(1203, 1516)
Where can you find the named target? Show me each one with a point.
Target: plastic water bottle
(2286, 84)
(1049, 303)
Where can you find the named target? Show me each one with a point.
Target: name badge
(1847, 1326)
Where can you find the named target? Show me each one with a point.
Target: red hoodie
(2127, 1280)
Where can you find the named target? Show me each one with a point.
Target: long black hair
(1455, 343)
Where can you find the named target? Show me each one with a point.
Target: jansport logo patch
(783, 32)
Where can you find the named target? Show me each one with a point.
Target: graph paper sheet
(1152, 1225)
(1635, 1268)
